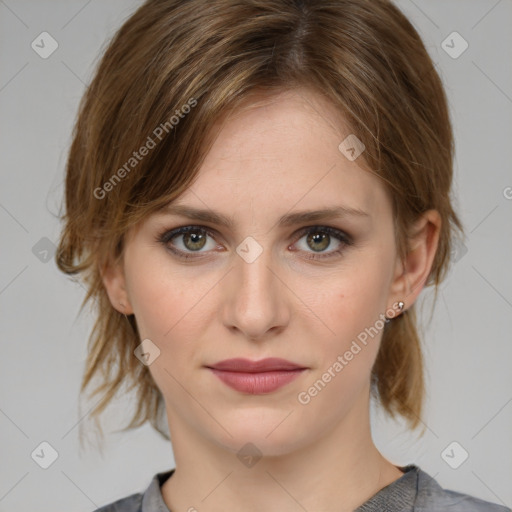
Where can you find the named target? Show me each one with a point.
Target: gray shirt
(415, 491)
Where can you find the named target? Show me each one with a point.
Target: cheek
(350, 306)
(161, 305)
(170, 303)
(156, 305)
(169, 307)
(347, 350)
(350, 300)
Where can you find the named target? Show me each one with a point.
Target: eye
(187, 239)
(319, 238)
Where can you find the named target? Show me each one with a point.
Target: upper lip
(263, 365)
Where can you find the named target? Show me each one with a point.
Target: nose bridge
(257, 299)
(255, 277)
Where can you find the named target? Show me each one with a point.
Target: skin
(279, 156)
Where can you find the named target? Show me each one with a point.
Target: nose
(255, 298)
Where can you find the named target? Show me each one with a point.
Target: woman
(256, 194)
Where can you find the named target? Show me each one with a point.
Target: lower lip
(257, 383)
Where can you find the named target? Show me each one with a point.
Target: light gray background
(468, 346)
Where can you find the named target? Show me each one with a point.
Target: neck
(339, 472)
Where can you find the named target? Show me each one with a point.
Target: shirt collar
(397, 496)
(152, 500)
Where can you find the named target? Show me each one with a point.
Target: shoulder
(132, 503)
(431, 497)
(148, 500)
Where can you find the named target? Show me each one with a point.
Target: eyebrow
(287, 220)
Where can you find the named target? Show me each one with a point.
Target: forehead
(279, 151)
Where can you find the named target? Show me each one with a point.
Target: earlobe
(112, 275)
(423, 243)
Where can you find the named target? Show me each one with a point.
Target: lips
(264, 365)
(256, 377)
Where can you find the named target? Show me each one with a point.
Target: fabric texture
(415, 491)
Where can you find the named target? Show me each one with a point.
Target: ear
(112, 275)
(412, 274)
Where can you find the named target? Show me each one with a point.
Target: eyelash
(167, 235)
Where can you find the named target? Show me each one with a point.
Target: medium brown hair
(364, 56)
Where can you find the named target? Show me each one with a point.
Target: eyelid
(337, 233)
(167, 235)
(170, 233)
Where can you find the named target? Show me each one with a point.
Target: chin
(269, 437)
(257, 446)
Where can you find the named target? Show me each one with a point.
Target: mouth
(269, 364)
(256, 377)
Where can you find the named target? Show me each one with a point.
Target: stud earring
(400, 307)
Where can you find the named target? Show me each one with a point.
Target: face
(307, 290)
